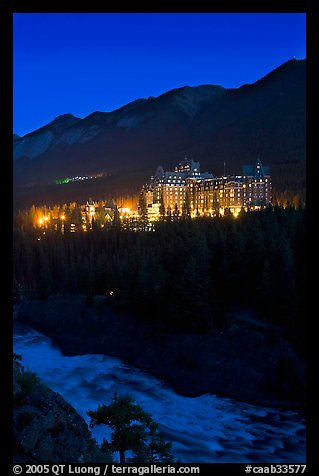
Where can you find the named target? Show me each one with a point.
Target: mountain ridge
(284, 65)
(58, 118)
(211, 123)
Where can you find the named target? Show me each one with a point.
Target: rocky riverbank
(241, 361)
(45, 427)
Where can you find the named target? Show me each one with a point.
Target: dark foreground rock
(240, 360)
(46, 429)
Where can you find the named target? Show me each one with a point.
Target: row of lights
(45, 219)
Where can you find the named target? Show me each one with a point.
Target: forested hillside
(189, 272)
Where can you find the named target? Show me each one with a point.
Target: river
(205, 429)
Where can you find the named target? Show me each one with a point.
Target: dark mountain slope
(210, 123)
(265, 119)
(131, 138)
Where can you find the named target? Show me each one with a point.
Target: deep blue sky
(80, 63)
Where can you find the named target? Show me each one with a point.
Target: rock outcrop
(45, 427)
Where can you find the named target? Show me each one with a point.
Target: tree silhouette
(162, 207)
(186, 210)
(132, 429)
(142, 209)
(175, 212)
(215, 204)
(116, 222)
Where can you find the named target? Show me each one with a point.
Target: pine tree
(142, 210)
(76, 216)
(132, 429)
(156, 450)
(206, 206)
(215, 204)
(116, 222)
(162, 207)
(99, 216)
(186, 210)
(175, 212)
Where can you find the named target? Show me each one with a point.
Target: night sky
(80, 63)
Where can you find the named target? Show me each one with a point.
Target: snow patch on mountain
(90, 133)
(129, 121)
(72, 135)
(189, 99)
(79, 134)
(33, 146)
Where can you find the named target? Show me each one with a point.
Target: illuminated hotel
(187, 188)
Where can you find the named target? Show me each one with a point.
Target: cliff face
(45, 427)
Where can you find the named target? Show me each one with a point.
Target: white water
(207, 429)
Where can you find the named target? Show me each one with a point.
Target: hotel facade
(187, 188)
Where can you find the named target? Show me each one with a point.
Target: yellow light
(126, 210)
(45, 218)
(40, 221)
(62, 217)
